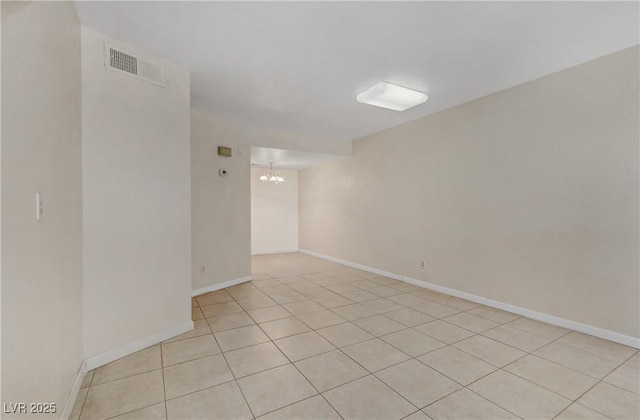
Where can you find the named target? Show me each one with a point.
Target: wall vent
(123, 62)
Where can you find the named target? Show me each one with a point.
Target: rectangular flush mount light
(387, 95)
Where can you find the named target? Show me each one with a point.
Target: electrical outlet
(203, 268)
(422, 264)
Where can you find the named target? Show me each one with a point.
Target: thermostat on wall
(224, 151)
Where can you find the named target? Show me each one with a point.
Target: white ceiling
(298, 66)
(289, 159)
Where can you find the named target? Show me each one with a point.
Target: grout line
(235, 380)
(141, 408)
(86, 395)
(84, 400)
(616, 386)
(164, 383)
(411, 414)
(304, 399)
(487, 399)
(199, 390)
(574, 403)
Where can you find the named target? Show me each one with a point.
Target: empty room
(320, 210)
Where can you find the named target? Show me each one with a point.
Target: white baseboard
(75, 389)
(352, 264)
(539, 316)
(280, 251)
(110, 356)
(219, 286)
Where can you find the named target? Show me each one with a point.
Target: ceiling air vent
(120, 61)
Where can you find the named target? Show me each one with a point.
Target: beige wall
(274, 214)
(528, 196)
(41, 152)
(220, 209)
(136, 183)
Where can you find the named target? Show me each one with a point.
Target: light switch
(39, 206)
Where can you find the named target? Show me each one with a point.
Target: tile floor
(310, 339)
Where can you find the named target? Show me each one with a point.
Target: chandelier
(271, 175)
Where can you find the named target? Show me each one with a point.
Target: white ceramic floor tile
(436, 310)
(123, 395)
(471, 322)
(343, 335)
(612, 401)
(268, 314)
(229, 321)
(189, 349)
(195, 375)
(443, 331)
(240, 337)
(409, 317)
(554, 377)
(519, 396)
(301, 346)
(220, 309)
(418, 383)
(379, 325)
(457, 365)
(200, 327)
(625, 377)
(153, 412)
(382, 306)
(360, 296)
(407, 299)
(577, 359)
(542, 329)
(375, 354)
(303, 307)
(354, 312)
(599, 346)
(285, 327)
(368, 398)
(321, 319)
(219, 402)
(412, 342)
(213, 298)
(313, 408)
(141, 361)
(253, 359)
(579, 412)
(516, 338)
(495, 315)
(491, 351)
(328, 370)
(465, 404)
(418, 415)
(273, 389)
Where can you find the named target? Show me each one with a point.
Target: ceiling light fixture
(271, 175)
(390, 96)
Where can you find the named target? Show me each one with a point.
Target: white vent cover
(123, 62)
